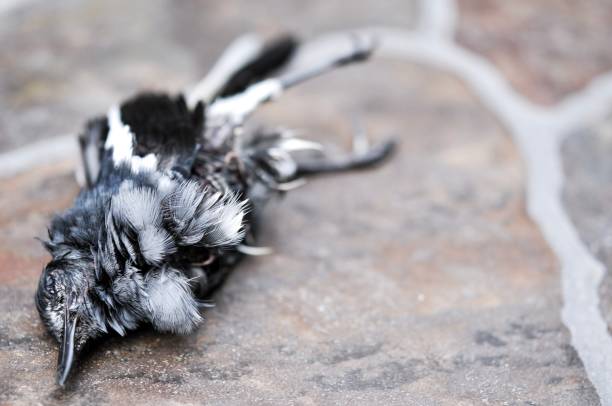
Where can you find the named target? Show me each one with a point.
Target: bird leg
(362, 156)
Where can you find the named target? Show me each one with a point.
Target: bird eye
(52, 287)
(48, 283)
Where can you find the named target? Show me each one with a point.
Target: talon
(208, 261)
(371, 156)
(254, 251)
(205, 303)
(235, 156)
(297, 144)
(294, 184)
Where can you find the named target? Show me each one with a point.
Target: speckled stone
(588, 193)
(546, 48)
(421, 282)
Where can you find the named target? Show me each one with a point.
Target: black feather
(273, 57)
(153, 116)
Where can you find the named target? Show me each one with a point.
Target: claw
(361, 143)
(297, 144)
(254, 251)
(371, 156)
(205, 303)
(294, 184)
(208, 261)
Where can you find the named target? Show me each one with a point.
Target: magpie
(172, 187)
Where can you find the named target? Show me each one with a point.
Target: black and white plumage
(173, 186)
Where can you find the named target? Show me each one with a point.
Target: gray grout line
(538, 133)
(40, 153)
(591, 104)
(437, 19)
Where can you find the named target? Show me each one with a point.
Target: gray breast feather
(169, 302)
(144, 231)
(200, 216)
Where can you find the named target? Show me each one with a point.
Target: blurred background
(421, 282)
(65, 60)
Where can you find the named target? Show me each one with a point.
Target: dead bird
(172, 189)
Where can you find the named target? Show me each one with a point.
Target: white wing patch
(121, 139)
(144, 164)
(237, 108)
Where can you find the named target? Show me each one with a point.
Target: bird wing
(91, 143)
(165, 127)
(272, 57)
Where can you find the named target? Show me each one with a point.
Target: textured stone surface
(62, 62)
(546, 48)
(421, 282)
(588, 193)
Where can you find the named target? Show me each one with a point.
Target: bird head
(66, 309)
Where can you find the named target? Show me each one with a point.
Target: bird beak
(66, 353)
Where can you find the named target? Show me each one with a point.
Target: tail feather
(273, 57)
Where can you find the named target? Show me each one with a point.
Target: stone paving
(449, 276)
